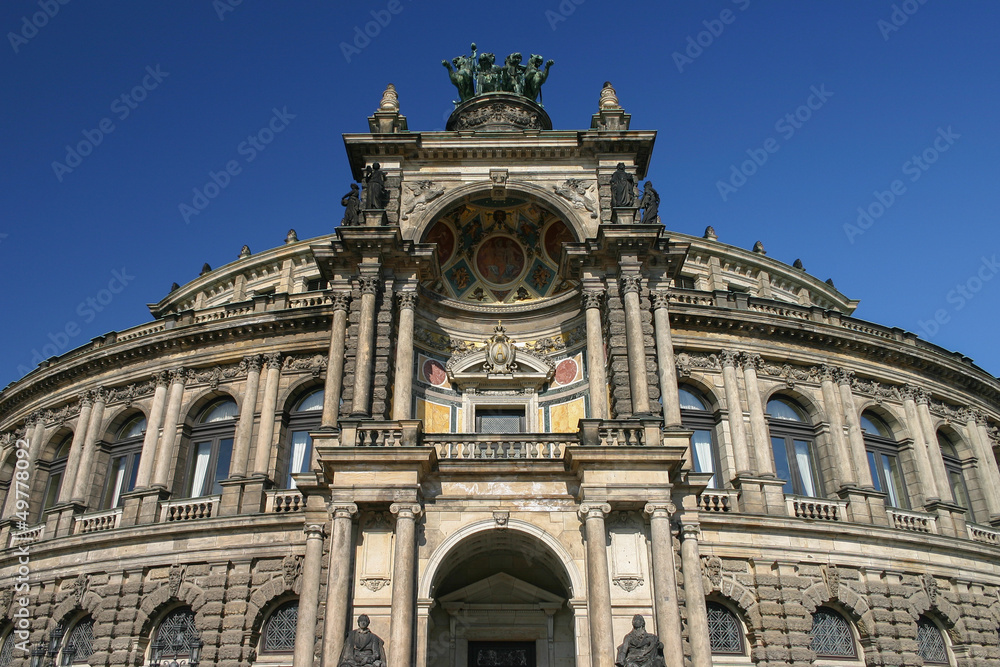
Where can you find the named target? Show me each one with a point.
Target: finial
(609, 98)
(292, 236)
(390, 100)
(245, 252)
(710, 233)
(798, 265)
(758, 247)
(205, 269)
(829, 281)
(174, 287)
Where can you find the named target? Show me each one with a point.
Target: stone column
(741, 454)
(84, 482)
(335, 363)
(989, 473)
(265, 436)
(338, 584)
(665, 361)
(244, 427)
(694, 595)
(360, 407)
(305, 629)
(602, 647)
(638, 387)
(668, 614)
(835, 415)
(403, 385)
(597, 375)
(154, 421)
(925, 475)
(34, 433)
(165, 457)
(76, 449)
(404, 573)
(759, 432)
(855, 435)
(933, 448)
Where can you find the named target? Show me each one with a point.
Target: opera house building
(494, 416)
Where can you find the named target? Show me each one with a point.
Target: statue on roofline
(479, 74)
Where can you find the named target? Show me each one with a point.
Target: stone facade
(492, 419)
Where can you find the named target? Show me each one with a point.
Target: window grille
(177, 634)
(724, 631)
(7, 650)
(831, 635)
(499, 421)
(279, 633)
(930, 643)
(81, 640)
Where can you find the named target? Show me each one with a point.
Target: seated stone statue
(363, 648)
(640, 648)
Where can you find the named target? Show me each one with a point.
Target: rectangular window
(701, 445)
(875, 471)
(301, 454)
(803, 462)
(500, 420)
(893, 481)
(202, 453)
(781, 463)
(116, 475)
(52, 491)
(222, 464)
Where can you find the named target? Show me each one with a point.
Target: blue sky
(887, 81)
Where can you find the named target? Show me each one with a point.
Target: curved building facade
(501, 412)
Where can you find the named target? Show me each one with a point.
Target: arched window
(883, 460)
(279, 630)
(57, 470)
(953, 467)
(78, 644)
(212, 448)
(124, 465)
(725, 632)
(695, 416)
(931, 645)
(7, 649)
(305, 417)
(832, 636)
(176, 637)
(792, 445)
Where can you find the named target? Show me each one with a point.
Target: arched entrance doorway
(501, 597)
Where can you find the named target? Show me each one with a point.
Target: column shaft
(165, 457)
(990, 475)
(665, 361)
(855, 436)
(925, 475)
(360, 406)
(338, 583)
(244, 427)
(694, 598)
(335, 363)
(265, 436)
(83, 483)
(404, 572)
(934, 451)
(305, 629)
(403, 384)
(758, 422)
(602, 648)
(638, 387)
(737, 431)
(668, 613)
(75, 451)
(154, 422)
(835, 414)
(596, 373)
(35, 434)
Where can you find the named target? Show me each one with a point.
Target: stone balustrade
(284, 501)
(984, 534)
(918, 522)
(28, 535)
(93, 522)
(514, 446)
(718, 500)
(190, 509)
(820, 509)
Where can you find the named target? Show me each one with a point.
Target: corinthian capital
(368, 284)
(592, 298)
(407, 299)
(273, 360)
(252, 363)
(729, 358)
(750, 360)
(661, 299)
(828, 372)
(341, 300)
(178, 375)
(630, 284)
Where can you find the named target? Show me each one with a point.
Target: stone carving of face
(363, 621)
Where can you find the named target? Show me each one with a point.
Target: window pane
(202, 453)
(222, 464)
(689, 401)
(803, 463)
(725, 634)
(704, 460)
(893, 481)
(781, 468)
(930, 643)
(279, 635)
(780, 409)
(7, 650)
(876, 471)
(875, 426)
(134, 474)
(52, 491)
(831, 635)
(116, 475)
(177, 633)
(134, 429)
(81, 638)
(220, 412)
(310, 403)
(958, 488)
(301, 452)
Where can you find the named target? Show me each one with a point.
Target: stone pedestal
(375, 217)
(624, 215)
(142, 506)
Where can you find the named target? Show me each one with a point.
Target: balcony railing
(820, 509)
(284, 501)
(190, 509)
(918, 522)
(984, 533)
(510, 446)
(718, 500)
(28, 535)
(97, 521)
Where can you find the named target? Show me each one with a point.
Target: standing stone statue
(461, 76)
(352, 203)
(376, 194)
(535, 77)
(622, 188)
(650, 204)
(363, 648)
(640, 648)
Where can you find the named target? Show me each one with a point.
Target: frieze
(498, 113)
(131, 392)
(416, 196)
(688, 361)
(213, 376)
(579, 193)
(311, 363)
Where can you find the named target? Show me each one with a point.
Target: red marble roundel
(434, 372)
(566, 371)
